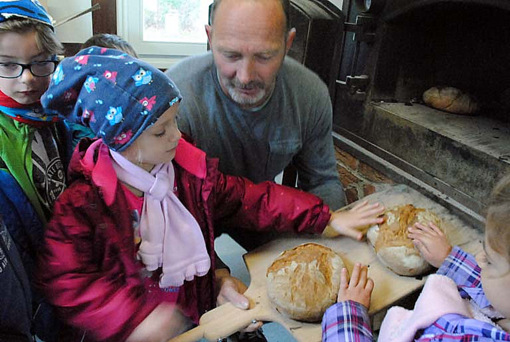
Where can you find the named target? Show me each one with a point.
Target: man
(255, 109)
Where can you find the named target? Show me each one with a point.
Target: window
(164, 31)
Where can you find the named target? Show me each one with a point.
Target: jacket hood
(91, 161)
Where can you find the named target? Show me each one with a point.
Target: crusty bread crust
(391, 244)
(304, 281)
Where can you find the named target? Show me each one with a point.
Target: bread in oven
(391, 243)
(451, 100)
(304, 281)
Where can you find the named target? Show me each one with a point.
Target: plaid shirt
(349, 321)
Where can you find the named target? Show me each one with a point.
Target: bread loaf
(450, 100)
(391, 244)
(304, 281)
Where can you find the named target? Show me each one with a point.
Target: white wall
(77, 30)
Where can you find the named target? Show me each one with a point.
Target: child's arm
(452, 262)
(268, 206)
(463, 269)
(348, 320)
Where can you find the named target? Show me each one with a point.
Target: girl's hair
(498, 218)
(45, 38)
(111, 41)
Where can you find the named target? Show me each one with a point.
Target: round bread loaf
(304, 281)
(391, 244)
(450, 100)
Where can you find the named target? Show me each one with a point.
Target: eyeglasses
(38, 69)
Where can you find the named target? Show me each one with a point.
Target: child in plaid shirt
(467, 299)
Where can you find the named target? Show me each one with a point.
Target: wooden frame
(104, 20)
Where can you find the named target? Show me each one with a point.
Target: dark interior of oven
(417, 45)
(463, 45)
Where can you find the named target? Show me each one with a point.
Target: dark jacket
(88, 268)
(23, 239)
(16, 300)
(23, 215)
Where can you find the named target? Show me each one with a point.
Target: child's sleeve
(463, 269)
(346, 321)
(267, 206)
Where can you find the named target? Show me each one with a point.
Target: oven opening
(460, 44)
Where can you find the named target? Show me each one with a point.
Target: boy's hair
(498, 218)
(111, 41)
(45, 38)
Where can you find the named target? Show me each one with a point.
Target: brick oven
(394, 50)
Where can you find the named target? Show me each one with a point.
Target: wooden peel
(227, 319)
(389, 287)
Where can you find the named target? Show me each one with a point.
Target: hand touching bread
(348, 222)
(431, 242)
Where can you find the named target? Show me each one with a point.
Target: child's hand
(431, 242)
(359, 288)
(348, 222)
(231, 290)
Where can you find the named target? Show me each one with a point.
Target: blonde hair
(45, 38)
(498, 218)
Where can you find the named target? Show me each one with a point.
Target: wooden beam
(104, 20)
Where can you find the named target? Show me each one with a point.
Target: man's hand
(359, 288)
(349, 222)
(231, 290)
(431, 242)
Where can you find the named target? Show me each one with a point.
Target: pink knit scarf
(171, 237)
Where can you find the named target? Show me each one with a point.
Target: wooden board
(389, 287)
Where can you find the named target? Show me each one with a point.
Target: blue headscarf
(28, 9)
(113, 93)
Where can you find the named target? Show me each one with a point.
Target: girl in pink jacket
(129, 252)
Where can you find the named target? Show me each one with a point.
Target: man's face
(248, 42)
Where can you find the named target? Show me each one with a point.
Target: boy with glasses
(32, 172)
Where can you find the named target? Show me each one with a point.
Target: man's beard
(234, 86)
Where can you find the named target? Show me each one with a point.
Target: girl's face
(495, 278)
(22, 48)
(157, 144)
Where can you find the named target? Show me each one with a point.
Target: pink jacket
(88, 268)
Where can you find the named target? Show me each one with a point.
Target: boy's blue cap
(26, 9)
(113, 93)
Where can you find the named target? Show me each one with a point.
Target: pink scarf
(171, 237)
(439, 297)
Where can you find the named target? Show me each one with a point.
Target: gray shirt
(293, 126)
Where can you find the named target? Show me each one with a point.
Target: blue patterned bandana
(26, 9)
(113, 93)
